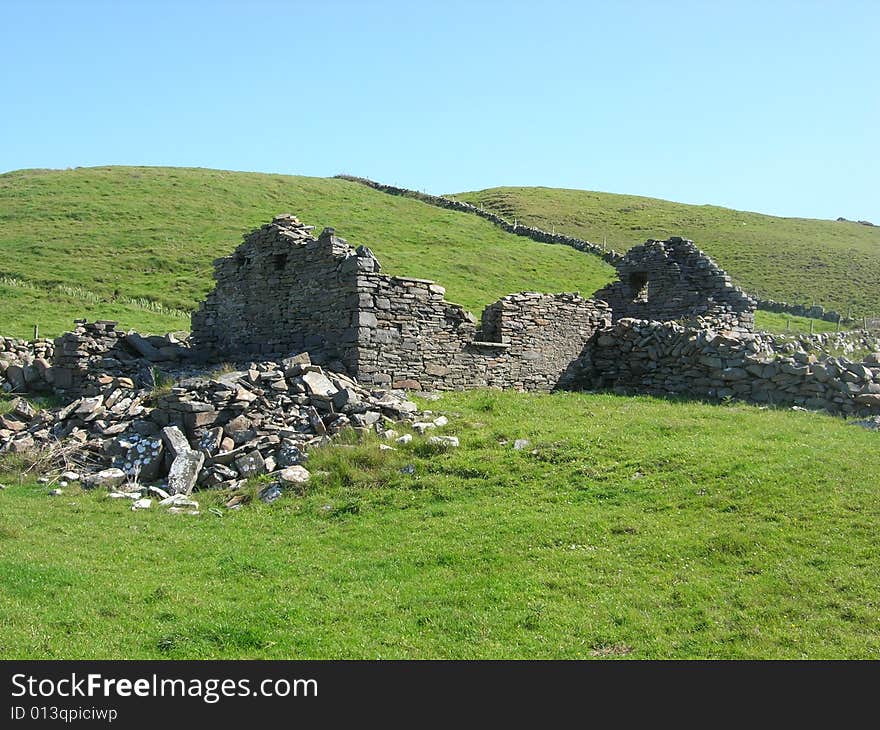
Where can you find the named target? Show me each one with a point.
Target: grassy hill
(799, 260)
(630, 527)
(137, 244)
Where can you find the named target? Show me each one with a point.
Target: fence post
(811, 325)
(36, 331)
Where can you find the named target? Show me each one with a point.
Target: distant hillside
(799, 260)
(137, 243)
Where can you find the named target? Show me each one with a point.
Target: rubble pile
(208, 432)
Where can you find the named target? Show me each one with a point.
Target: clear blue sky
(770, 106)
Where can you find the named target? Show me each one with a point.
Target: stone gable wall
(282, 291)
(674, 280)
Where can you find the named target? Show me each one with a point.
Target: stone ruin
(673, 280)
(283, 290)
(315, 339)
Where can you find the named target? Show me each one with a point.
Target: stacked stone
(667, 358)
(25, 366)
(281, 291)
(674, 280)
(411, 337)
(217, 430)
(78, 352)
(545, 335)
(849, 344)
(96, 349)
(815, 311)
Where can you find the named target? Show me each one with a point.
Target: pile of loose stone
(208, 432)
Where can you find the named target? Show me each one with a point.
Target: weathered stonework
(665, 358)
(674, 280)
(94, 351)
(25, 366)
(283, 292)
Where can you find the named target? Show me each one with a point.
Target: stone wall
(94, 351)
(25, 366)
(518, 229)
(546, 334)
(612, 257)
(666, 358)
(282, 291)
(411, 337)
(674, 280)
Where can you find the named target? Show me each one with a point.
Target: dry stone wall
(282, 291)
(816, 311)
(666, 358)
(92, 352)
(25, 366)
(518, 229)
(411, 337)
(546, 335)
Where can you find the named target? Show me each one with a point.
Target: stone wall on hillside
(814, 310)
(514, 227)
(674, 280)
(665, 358)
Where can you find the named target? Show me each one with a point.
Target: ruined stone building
(674, 280)
(283, 291)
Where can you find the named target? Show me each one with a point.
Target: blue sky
(770, 106)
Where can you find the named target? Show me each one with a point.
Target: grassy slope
(778, 322)
(791, 259)
(672, 529)
(153, 233)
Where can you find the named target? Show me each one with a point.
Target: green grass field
(798, 260)
(122, 234)
(638, 528)
(631, 527)
(777, 322)
(136, 244)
